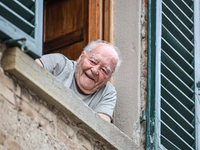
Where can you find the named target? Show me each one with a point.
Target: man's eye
(92, 61)
(104, 71)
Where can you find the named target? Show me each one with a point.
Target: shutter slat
(167, 132)
(184, 7)
(168, 144)
(177, 128)
(178, 58)
(28, 3)
(186, 55)
(177, 116)
(174, 102)
(16, 19)
(177, 33)
(170, 63)
(177, 81)
(20, 9)
(177, 92)
(174, 42)
(190, 3)
(187, 21)
(177, 21)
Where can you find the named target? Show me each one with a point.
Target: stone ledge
(54, 92)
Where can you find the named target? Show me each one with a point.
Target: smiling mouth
(89, 77)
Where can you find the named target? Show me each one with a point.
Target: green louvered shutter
(176, 94)
(21, 19)
(176, 97)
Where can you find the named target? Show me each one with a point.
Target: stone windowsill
(50, 89)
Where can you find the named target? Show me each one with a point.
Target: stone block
(48, 126)
(63, 117)
(11, 144)
(84, 139)
(98, 146)
(27, 109)
(69, 142)
(32, 101)
(72, 145)
(3, 148)
(2, 136)
(9, 83)
(25, 95)
(7, 93)
(65, 128)
(17, 103)
(46, 113)
(17, 90)
(61, 136)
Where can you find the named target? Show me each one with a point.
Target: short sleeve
(54, 63)
(107, 104)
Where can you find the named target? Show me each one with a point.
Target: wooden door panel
(63, 17)
(63, 41)
(66, 23)
(71, 51)
(95, 20)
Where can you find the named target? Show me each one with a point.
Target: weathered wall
(28, 122)
(143, 78)
(131, 79)
(127, 79)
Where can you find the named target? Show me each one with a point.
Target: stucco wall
(127, 80)
(131, 80)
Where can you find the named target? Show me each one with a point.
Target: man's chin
(86, 89)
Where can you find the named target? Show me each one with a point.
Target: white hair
(93, 44)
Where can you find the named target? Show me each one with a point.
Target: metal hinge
(198, 84)
(12, 42)
(143, 117)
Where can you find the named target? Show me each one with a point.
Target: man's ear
(80, 57)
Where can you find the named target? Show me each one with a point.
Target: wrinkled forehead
(107, 65)
(105, 50)
(106, 54)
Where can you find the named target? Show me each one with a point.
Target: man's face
(95, 68)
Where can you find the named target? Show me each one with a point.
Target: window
(173, 105)
(19, 20)
(70, 24)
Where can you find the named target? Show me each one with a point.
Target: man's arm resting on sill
(39, 62)
(105, 117)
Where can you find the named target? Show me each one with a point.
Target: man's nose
(95, 70)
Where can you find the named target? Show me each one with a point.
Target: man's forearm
(105, 117)
(39, 62)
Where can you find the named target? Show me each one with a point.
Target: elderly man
(88, 77)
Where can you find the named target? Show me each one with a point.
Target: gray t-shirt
(102, 101)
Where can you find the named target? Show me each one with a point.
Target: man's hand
(39, 62)
(105, 117)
